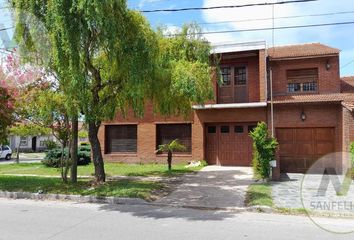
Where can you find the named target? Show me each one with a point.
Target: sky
(340, 36)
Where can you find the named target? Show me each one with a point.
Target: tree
(6, 110)
(25, 130)
(109, 59)
(170, 148)
(264, 147)
(14, 80)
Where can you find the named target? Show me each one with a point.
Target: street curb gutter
(124, 201)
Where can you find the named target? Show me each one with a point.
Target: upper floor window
(302, 80)
(226, 76)
(240, 76)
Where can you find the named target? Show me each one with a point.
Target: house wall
(15, 141)
(317, 115)
(329, 80)
(348, 128)
(146, 137)
(253, 72)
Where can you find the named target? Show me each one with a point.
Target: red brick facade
(330, 114)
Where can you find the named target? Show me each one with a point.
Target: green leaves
(172, 146)
(264, 147)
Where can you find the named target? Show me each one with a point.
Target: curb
(124, 201)
(74, 198)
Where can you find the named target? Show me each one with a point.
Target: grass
(292, 211)
(259, 194)
(112, 169)
(121, 188)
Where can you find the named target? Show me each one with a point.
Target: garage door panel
(303, 135)
(286, 135)
(230, 146)
(287, 149)
(324, 134)
(324, 148)
(304, 148)
(299, 148)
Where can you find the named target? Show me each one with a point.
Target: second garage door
(299, 148)
(229, 144)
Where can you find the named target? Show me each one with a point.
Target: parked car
(5, 152)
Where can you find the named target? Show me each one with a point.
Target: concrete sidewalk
(212, 187)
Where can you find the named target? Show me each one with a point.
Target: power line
(4, 29)
(283, 17)
(346, 65)
(271, 28)
(223, 7)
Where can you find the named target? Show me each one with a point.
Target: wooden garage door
(229, 144)
(299, 148)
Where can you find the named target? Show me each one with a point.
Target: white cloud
(324, 34)
(143, 3)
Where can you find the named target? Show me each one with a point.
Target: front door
(34, 144)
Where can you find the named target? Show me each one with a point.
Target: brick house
(312, 111)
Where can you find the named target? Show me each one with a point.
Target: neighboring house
(312, 116)
(30, 143)
(38, 143)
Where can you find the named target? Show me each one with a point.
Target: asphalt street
(25, 219)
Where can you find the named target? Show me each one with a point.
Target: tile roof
(314, 98)
(301, 50)
(347, 84)
(349, 105)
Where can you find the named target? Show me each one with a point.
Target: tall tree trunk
(62, 159)
(169, 160)
(96, 152)
(17, 160)
(74, 148)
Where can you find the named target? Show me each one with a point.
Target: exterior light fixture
(303, 116)
(328, 65)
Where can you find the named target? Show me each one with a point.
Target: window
(225, 129)
(309, 87)
(121, 139)
(251, 128)
(211, 129)
(166, 133)
(226, 76)
(5, 148)
(240, 76)
(294, 87)
(42, 143)
(238, 129)
(23, 141)
(302, 80)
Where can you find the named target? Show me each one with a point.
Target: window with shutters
(166, 133)
(302, 80)
(121, 139)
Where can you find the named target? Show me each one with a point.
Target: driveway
(287, 192)
(212, 187)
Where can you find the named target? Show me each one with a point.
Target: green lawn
(121, 188)
(112, 169)
(259, 194)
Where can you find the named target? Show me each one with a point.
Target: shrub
(50, 144)
(85, 148)
(264, 147)
(52, 157)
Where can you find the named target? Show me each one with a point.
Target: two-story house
(295, 89)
